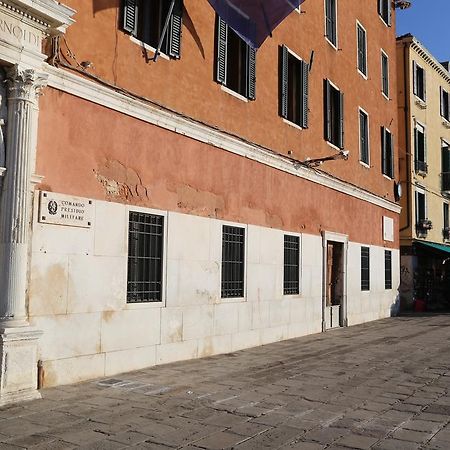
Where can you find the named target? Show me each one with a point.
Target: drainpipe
(407, 137)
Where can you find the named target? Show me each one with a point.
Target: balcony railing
(446, 182)
(421, 167)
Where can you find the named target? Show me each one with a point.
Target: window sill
(292, 124)
(420, 103)
(365, 165)
(334, 146)
(147, 47)
(233, 93)
(232, 300)
(365, 76)
(384, 22)
(333, 45)
(145, 305)
(385, 96)
(388, 177)
(445, 122)
(293, 296)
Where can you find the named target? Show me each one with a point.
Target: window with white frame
(145, 20)
(421, 207)
(364, 137)
(294, 88)
(385, 12)
(235, 62)
(361, 36)
(445, 104)
(420, 149)
(331, 21)
(145, 257)
(419, 82)
(384, 74)
(388, 269)
(334, 114)
(445, 168)
(387, 153)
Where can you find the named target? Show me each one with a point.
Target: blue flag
(254, 20)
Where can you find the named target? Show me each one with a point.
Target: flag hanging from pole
(254, 20)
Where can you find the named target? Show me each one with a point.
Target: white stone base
(18, 364)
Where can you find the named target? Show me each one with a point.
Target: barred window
(388, 269)
(145, 253)
(233, 253)
(365, 269)
(291, 284)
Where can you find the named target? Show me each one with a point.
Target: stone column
(18, 342)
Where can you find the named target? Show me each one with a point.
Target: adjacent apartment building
(424, 140)
(159, 206)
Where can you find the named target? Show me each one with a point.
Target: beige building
(424, 139)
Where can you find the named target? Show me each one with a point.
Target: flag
(254, 20)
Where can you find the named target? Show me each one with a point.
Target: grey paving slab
(381, 385)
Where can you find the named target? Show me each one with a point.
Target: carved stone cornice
(24, 84)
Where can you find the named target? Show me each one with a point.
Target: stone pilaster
(18, 342)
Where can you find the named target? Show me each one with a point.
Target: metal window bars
(291, 283)
(233, 254)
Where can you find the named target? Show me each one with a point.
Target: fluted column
(23, 87)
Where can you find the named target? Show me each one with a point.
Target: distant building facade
(424, 140)
(181, 207)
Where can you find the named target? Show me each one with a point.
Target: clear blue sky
(429, 22)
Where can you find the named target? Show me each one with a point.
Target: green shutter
(441, 92)
(414, 78)
(284, 80)
(222, 36)
(251, 73)
(391, 155)
(130, 15)
(305, 88)
(341, 120)
(176, 20)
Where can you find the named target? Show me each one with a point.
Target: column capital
(24, 84)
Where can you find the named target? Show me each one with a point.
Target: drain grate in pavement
(143, 388)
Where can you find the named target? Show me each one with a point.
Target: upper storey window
(145, 20)
(445, 104)
(334, 115)
(236, 62)
(384, 10)
(362, 49)
(294, 88)
(384, 74)
(419, 81)
(331, 21)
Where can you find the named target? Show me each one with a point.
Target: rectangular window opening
(145, 258)
(385, 74)
(364, 137)
(365, 268)
(388, 269)
(334, 115)
(331, 21)
(420, 150)
(233, 262)
(387, 153)
(362, 49)
(291, 284)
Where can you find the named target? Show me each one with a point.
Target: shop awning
(431, 245)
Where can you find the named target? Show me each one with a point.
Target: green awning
(432, 245)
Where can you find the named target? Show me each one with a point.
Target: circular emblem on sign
(52, 207)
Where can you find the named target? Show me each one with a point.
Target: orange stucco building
(213, 199)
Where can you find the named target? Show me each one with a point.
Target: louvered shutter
(389, 12)
(176, 20)
(416, 143)
(391, 155)
(222, 36)
(327, 110)
(414, 78)
(424, 85)
(284, 80)
(341, 120)
(383, 150)
(441, 92)
(130, 15)
(251, 73)
(305, 89)
(380, 7)
(424, 145)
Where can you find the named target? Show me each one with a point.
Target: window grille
(233, 253)
(291, 283)
(388, 269)
(365, 268)
(145, 253)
